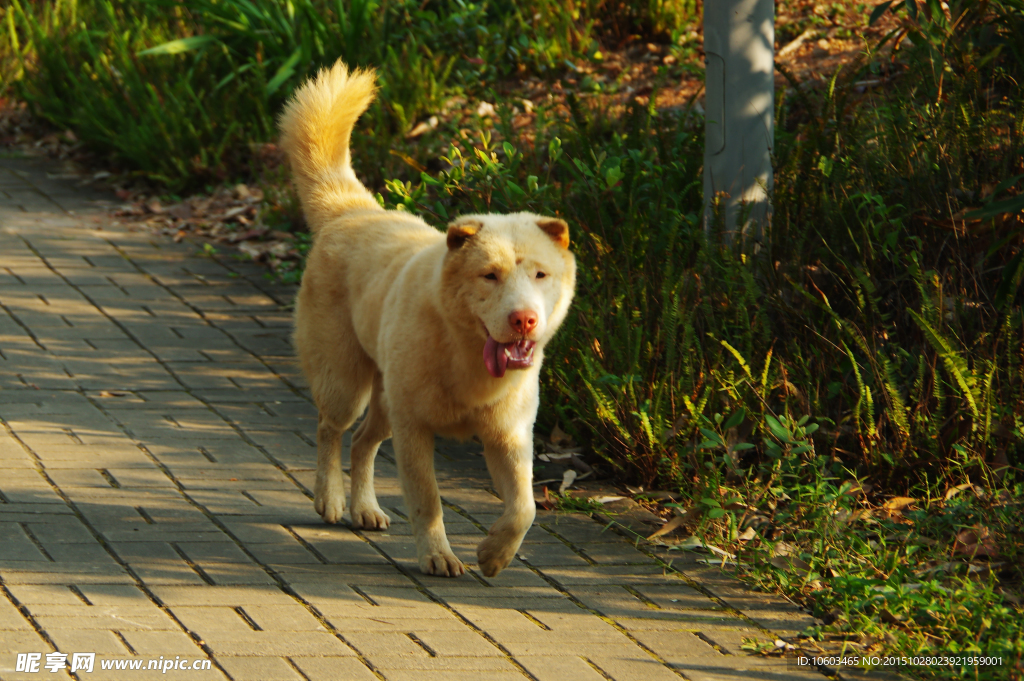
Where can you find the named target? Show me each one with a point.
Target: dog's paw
(331, 507)
(441, 564)
(493, 556)
(370, 518)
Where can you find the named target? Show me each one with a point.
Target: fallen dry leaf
(112, 393)
(856, 488)
(953, 491)
(889, 618)
(559, 436)
(853, 516)
(899, 503)
(975, 542)
(182, 211)
(672, 525)
(660, 495)
(247, 234)
(580, 465)
(567, 479)
(782, 549)
(423, 127)
(1010, 596)
(747, 534)
(544, 502)
(233, 213)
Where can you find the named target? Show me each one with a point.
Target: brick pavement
(156, 461)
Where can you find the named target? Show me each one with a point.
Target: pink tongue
(494, 357)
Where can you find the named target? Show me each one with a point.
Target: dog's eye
(541, 275)
(492, 276)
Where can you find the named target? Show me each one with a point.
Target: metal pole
(739, 44)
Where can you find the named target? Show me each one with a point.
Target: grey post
(739, 44)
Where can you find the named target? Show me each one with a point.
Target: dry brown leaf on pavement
(607, 499)
(691, 515)
(543, 500)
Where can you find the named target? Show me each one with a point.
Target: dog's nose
(523, 321)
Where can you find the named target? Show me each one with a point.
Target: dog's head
(513, 276)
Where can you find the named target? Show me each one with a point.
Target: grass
(911, 577)
(871, 348)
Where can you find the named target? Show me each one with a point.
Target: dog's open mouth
(501, 356)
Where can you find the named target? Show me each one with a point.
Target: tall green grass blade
(180, 45)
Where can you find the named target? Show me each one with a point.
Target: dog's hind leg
(337, 412)
(329, 490)
(375, 428)
(511, 467)
(414, 453)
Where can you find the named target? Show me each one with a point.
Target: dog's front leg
(414, 454)
(511, 467)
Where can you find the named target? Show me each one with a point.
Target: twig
(795, 44)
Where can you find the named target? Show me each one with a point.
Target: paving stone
(11, 619)
(165, 643)
(449, 675)
(560, 668)
(251, 643)
(99, 641)
(368, 622)
(22, 642)
(233, 596)
(13, 572)
(102, 617)
(383, 644)
(460, 665)
(632, 667)
(333, 668)
(260, 669)
(458, 644)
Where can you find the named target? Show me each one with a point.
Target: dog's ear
(557, 229)
(461, 230)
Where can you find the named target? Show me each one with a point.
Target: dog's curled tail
(316, 127)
